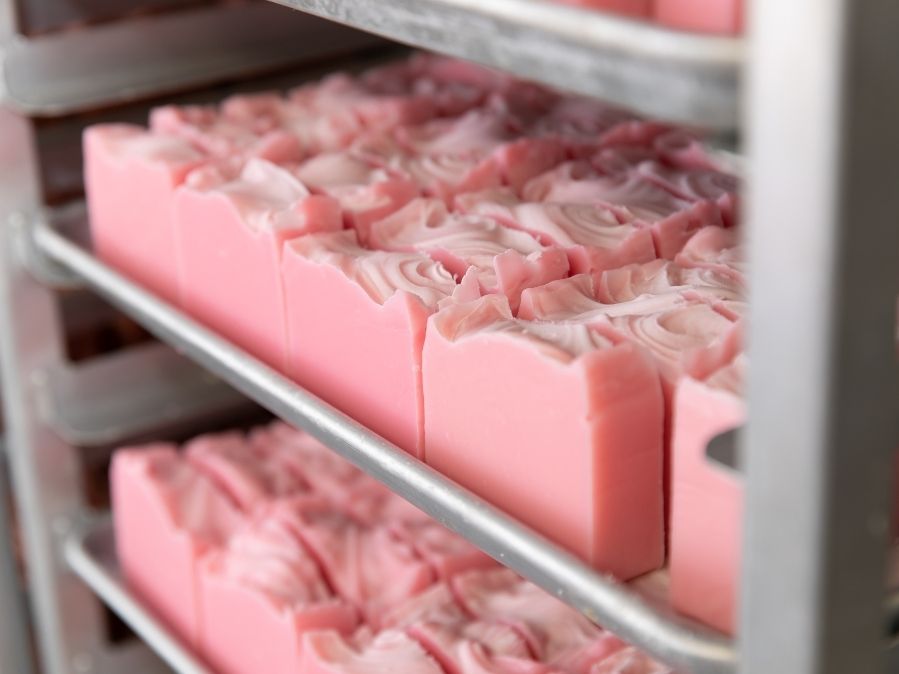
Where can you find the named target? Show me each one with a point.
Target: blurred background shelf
(681, 77)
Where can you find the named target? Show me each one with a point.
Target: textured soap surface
(506, 282)
(261, 566)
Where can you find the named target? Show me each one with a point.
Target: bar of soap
(593, 237)
(504, 260)
(702, 16)
(130, 179)
(229, 235)
(261, 594)
(583, 415)
(706, 499)
(366, 357)
(632, 197)
(390, 651)
(167, 517)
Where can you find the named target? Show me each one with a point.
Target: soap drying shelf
(632, 614)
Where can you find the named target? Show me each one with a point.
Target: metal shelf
(126, 395)
(79, 70)
(687, 78)
(91, 556)
(633, 613)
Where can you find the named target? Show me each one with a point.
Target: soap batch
(266, 552)
(538, 295)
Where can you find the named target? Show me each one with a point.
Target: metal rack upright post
(817, 108)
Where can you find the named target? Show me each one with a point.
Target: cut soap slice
(167, 517)
(356, 320)
(229, 237)
(259, 596)
(576, 452)
(706, 499)
(130, 176)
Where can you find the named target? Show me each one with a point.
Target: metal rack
(820, 441)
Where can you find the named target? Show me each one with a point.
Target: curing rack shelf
(683, 77)
(637, 616)
(100, 66)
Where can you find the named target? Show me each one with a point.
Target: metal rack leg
(15, 646)
(822, 107)
(46, 477)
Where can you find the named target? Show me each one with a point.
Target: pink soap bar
(260, 595)
(223, 226)
(567, 387)
(249, 476)
(130, 179)
(706, 500)
(704, 16)
(366, 357)
(390, 651)
(167, 517)
(504, 260)
(593, 237)
(632, 197)
(636, 8)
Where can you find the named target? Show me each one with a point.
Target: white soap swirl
(381, 274)
(673, 334)
(660, 277)
(572, 224)
(491, 315)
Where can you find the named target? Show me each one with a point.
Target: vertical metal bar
(45, 471)
(821, 114)
(15, 645)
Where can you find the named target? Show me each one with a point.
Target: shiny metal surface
(823, 101)
(108, 64)
(669, 74)
(130, 394)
